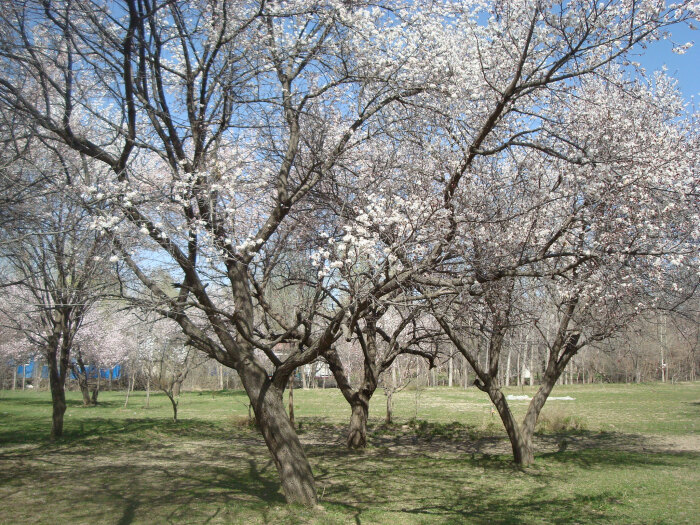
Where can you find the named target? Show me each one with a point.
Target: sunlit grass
(636, 460)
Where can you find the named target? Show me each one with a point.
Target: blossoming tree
(224, 124)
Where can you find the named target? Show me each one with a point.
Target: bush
(557, 422)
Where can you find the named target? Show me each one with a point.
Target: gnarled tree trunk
(520, 437)
(357, 433)
(358, 399)
(282, 441)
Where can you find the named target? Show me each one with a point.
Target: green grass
(634, 457)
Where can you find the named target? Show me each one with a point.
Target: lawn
(616, 454)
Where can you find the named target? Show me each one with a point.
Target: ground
(616, 454)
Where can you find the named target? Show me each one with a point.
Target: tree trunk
(14, 376)
(357, 434)
(37, 376)
(664, 372)
(389, 407)
(82, 383)
(312, 377)
(527, 429)
(173, 401)
(58, 396)
(282, 441)
(450, 371)
(520, 438)
(80, 372)
(291, 399)
(507, 374)
(358, 399)
(93, 399)
(129, 388)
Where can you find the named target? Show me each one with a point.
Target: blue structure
(30, 370)
(105, 373)
(27, 370)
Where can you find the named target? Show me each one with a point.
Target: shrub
(557, 422)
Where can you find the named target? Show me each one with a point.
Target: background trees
(53, 260)
(383, 336)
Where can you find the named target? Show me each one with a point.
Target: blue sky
(685, 68)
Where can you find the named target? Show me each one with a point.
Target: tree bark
(520, 441)
(81, 373)
(357, 434)
(527, 429)
(312, 377)
(450, 371)
(532, 371)
(58, 396)
(173, 401)
(291, 400)
(82, 383)
(389, 407)
(506, 379)
(304, 379)
(129, 388)
(95, 392)
(282, 441)
(37, 375)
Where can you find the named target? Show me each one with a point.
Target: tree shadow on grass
(163, 493)
(481, 488)
(45, 401)
(480, 507)
(102, 432)
(157, 471)
(154, 481)
(221, 393)
(619, 459)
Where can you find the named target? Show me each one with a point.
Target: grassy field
(632, 455)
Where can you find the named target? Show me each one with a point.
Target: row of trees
(276, 179)
(660, 348)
